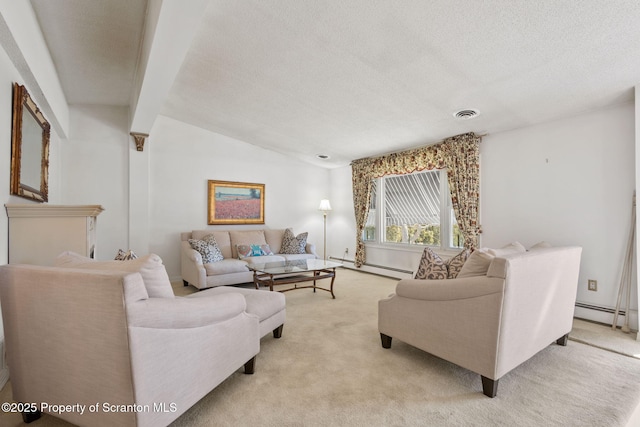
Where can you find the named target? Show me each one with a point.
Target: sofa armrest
(448, 289)
(191, 266)
(311, 249)
(193, 255)
(183, 312)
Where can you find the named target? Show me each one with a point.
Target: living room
(568, 180)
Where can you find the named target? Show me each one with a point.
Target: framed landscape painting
(236, 203)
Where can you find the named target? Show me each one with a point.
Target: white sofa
(232, 270)
(492, 323)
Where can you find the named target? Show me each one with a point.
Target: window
(413, 209)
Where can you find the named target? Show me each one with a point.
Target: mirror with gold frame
(29, 148)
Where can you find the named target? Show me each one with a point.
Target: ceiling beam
(22, 39)
(170, 26)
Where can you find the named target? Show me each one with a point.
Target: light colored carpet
(329, 369)
(605, 337)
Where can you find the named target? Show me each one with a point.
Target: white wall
(9, 75)
(183, 158)
(569, 182)
(95, 171)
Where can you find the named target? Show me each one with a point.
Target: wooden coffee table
(287, 272)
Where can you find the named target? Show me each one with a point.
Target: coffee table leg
(255, 280)
(332, 280)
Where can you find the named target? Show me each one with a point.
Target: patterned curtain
(462, 154)
(459, 154)
(362, 184)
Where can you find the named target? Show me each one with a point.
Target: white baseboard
(603, 316)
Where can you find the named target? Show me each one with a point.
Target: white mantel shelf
(38, 233)
(19, 210)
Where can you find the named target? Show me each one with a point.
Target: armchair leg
(29, 417)
(386, 340)
(249, 367)
(277, 332)
(563, 340)
(489, 386)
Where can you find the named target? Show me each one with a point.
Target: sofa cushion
(262, 303)
(477, 264)
(431, 266)
(226, 266)
(150, 267)
(246, 251)
(264, 259)
(274, 239)
(296, 257)
(292, 244)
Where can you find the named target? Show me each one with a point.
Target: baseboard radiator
(376, 266)
(600, 308)
(605, 315)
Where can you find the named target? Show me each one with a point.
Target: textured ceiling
(357, 78)
(94, 46)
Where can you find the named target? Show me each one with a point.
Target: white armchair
(488, 324)
(87, 337)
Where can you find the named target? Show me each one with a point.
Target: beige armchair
(96, 340)
(488, 324)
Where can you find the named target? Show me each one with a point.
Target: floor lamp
(325, 207)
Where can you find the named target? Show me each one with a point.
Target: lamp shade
(324, 205)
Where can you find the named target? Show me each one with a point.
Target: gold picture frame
(232, 202)
(29, 148)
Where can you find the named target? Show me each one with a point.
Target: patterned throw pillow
(431, 266)
(125, 256)
(208, 248)
(454, 264)
(293, 244)
(245, 251)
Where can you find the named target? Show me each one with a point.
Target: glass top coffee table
(294, 272)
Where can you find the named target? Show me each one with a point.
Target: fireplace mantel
(38, 233)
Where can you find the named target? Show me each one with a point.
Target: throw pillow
(245, 251)
(150, 267)
(455, 264)
(540, 245)
(477, 264)
(124, 256)
(431, 266)
(217, 252)
(208, 248)
(293, 244)
(511, 248)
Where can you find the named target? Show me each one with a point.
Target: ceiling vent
(466, 114)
